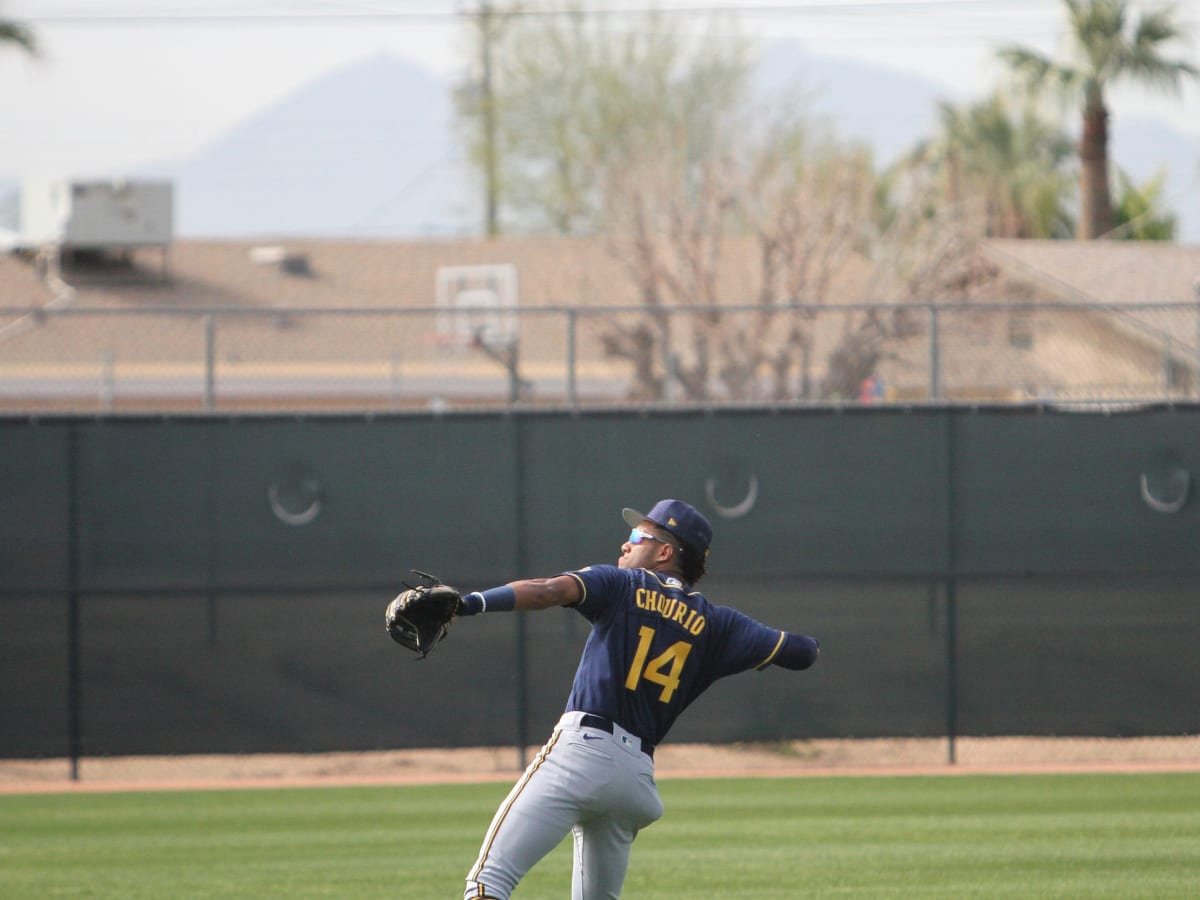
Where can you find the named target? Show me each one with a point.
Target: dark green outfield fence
(217, 585)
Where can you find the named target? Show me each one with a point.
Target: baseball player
(656, 644)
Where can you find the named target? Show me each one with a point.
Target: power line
(876, 22)
(849, 7)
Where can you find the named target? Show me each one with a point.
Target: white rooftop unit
(94, 214)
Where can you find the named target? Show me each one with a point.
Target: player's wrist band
(498, 599)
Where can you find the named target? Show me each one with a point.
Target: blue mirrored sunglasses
(637, 536)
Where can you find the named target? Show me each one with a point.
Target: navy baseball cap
(679, 518)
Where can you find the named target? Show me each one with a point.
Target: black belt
(587, 720)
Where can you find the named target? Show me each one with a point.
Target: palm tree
(1107, 45)
(1138, 214)
(1007, 169)
(1014, 163)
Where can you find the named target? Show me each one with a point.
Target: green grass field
(1040, 836)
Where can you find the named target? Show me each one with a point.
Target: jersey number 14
(664, 669)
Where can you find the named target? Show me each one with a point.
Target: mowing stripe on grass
(1043, 836)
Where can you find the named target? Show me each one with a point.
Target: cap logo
(671, 521)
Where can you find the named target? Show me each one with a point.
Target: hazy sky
(123, 82)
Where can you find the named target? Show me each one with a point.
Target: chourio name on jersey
(671, 608)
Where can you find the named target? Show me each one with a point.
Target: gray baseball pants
(597, 785)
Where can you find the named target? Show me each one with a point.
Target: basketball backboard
(478, 304)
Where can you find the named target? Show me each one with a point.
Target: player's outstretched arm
(799, 651)
(543, 593)
(532, 593)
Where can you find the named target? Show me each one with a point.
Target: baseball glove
(420, 617)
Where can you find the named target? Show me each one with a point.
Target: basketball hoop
(481, 339)
(453, 344)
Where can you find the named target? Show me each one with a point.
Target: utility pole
(488, 26)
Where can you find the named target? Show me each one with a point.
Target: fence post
(522, 559)
(394, 378)
(572, 382)
(74, 651)
(935, 365)
(210, 362)
(669, 381)
(951, 586)
(108, 379)
(951, 671)
(1196, 370)
(1168, 366)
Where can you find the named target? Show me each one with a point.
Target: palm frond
(21, 35)
(1156, 27)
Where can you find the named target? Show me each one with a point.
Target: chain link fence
(284, 359)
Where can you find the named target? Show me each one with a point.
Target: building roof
(569, 271)
(1161, 279)
(580, 273)
(338, 273)
(1104, 271)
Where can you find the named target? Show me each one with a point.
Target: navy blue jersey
(656, 646)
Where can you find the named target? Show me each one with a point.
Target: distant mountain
(888, 110)
(368, 150)
(371, 150)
